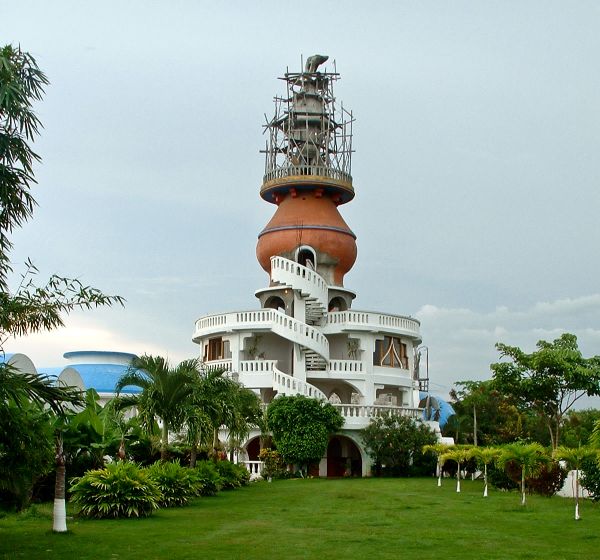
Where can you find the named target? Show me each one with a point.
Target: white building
(307, 337)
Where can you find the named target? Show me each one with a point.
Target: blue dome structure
(97, 370)
(435, 408)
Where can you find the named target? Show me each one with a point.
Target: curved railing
(357, 320)
(349, 411)
(290, 273)
(272, 319)
(286, 384)
(303, 170)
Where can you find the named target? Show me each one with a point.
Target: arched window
(334, 398)
(306, 256)
(337, 304)
(275, 302)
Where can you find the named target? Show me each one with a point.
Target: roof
(102, 377)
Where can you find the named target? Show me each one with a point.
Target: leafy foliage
(548, 381)
(232, 475)
(301, 427)
(121, 489)
(530, 458)
(395, 443)
(165, 391)
(26, 452)
(273, 466)
(207, 478)
(590, 477)
(176, 483)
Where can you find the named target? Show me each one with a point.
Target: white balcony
(351, 320)
(358, 416)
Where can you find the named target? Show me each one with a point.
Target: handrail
(373, 320)
(377, 410)
(273, 319)
(286, 384)
(300, 277)
(307, 170)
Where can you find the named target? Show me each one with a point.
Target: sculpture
(314, 61)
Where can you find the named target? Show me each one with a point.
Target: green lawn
(354, 518)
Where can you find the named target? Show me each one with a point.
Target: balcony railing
(370, 320)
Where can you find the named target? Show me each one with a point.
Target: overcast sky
(476, 170)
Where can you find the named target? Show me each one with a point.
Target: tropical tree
(395, 442)
(575, 457)
(438, 449)
(31, 307)
(164, 393)
(485, 456)
(530, 458)
(548, 381)
(301, 427)
(459, 455)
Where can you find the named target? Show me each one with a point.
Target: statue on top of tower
(314, 61)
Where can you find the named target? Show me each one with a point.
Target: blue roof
(441, 409)
(103, 377)
(4, 358)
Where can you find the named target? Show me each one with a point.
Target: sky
(476, 168)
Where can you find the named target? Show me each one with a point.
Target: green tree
(26, 451)
(30, 307)
(395, 442)
(548, 381)
(530, 458)
(301, 427)
(438, 449)
(459, 455)
(485, 456)
(165, 392)
(578, 426)
(575, 457)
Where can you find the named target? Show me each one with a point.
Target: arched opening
(334, 398)
(253, 449)
(275, 302)
(343, 457)
(338, 304)
(306, 256)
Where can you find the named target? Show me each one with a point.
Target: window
(390, 352)
(216, 349)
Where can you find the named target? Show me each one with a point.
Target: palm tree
(459, 455)
(530, 457)
(438, 449)
(485, 455)
(574, 457)
(165, 391)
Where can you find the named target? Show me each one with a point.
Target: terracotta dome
(309, 219)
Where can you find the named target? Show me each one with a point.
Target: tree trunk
(523, 486)
(458, 478)
(474, 426)
(485, 484)
(60, 507)
(439, 472)
(193, 455)
(577, 518)
(165, 441)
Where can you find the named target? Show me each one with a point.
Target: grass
(324, 519)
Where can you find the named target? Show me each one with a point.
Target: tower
(306, 338)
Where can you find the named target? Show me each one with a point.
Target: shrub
(394, 444)
(273, 466)
(207, 479)
(176, 483)
(547, 482)
(233, 476)
(590, 478)
(121, 489)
